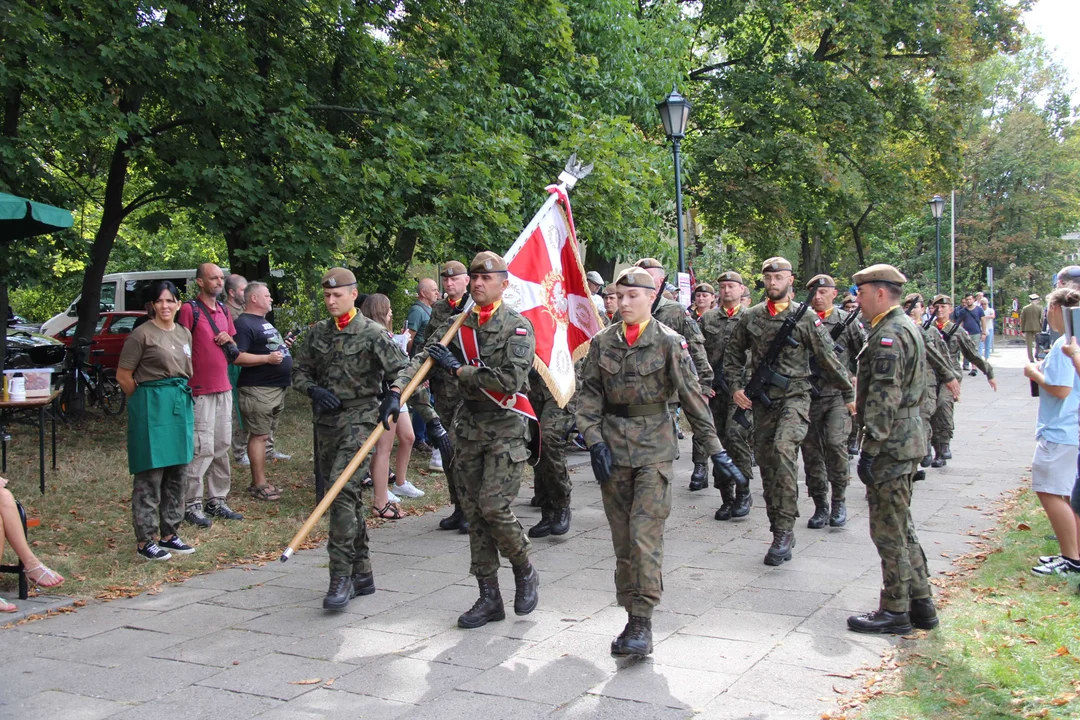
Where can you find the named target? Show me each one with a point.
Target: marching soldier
(825, 456)
(939, 371)
(780, 429)
(1031, 323)
(611, 305)
(444, 388)
(340, 365)
(675, 316)
(551, 479)
(631, 372)
(891, 383)
(704, 301)
(957, 343)
(490, 358)
(716, 328)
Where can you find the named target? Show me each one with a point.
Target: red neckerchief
(485, 314)
(940, 325)
(633, 332)
(731, 311)
(454, 305)
(771, 307)
(821, 314)
(343, 321)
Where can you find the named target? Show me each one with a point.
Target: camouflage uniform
(825, 456)
(444, 388)
(550, 477)
(779, 430)
(618, 377)
(960, 343)
(892, 380)
(716, 328)
(350, 363)
(938, 372)
(490, 458)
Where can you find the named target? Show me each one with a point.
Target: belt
(479, 406)
(359, 402)
(628, 411)
(908, 412)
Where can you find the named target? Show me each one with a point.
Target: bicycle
(88, 385)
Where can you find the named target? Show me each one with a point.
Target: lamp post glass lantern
(674, 113)
(937, 206)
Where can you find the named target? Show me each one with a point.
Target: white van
(121, 291)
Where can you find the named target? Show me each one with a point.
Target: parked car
(28, 349)
(112, 330)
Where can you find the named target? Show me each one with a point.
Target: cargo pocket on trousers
(519, 453)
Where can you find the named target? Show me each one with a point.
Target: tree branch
(695, 74)
(142, 200)
(349, 110)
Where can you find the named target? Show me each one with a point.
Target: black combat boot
(744, 500)
(920, 474)
(727, 494)
(939, 459)
(926, 460)
(560, 521)
(363, 583)
(527, 586)
(454, 520)
(636, 638)
(488, 607)
(699, 479)
(821, 514)
(853, 446)
(536, 501)
(923, 614)
(616, 644)
(780, 550)
(542, 528)
(946, 452)
(339, 594)
(838, 516)
(880, 622)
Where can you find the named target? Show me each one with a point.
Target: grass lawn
(86, 532)
(1009, 641)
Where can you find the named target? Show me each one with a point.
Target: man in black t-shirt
(265, 377)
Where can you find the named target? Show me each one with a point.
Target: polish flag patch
(521, 331)
(684, 345)
(817, 322)
(886, 342)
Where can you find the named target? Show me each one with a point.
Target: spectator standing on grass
(989, 316)
(970, 317)
(212, 330)
(377, 307)
(154, 371)
(1054, 466)
(265, 376)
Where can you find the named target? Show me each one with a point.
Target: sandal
(53, 578)
(392, 508)
(6, 607)
(267, 492)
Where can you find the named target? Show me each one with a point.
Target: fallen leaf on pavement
(311, 681)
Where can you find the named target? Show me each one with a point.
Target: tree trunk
(236, 240)
(811, 254)
(113, 213)
(601, 264)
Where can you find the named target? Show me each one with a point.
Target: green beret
(775, 264)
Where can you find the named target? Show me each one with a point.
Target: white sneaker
(409, 490)
(436, 461)
(244, 461)
(275, 455)
(391, 497)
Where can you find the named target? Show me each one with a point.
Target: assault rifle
(764, 374)
(838, 330)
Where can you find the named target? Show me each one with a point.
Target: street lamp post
(674, 112)
(937, 205)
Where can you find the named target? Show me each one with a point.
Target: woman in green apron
(153, 371)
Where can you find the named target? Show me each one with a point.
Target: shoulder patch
(817, 322)
(684, 345)
(886, 342)
(521, 331)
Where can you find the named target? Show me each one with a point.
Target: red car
(112, 330)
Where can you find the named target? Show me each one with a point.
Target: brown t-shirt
(153, 353)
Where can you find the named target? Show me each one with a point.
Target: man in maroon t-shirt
(212, 390)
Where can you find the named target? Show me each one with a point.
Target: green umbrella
(22, 218)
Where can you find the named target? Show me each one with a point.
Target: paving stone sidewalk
(734, 638)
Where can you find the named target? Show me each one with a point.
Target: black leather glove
(389, 408)
(323, 399)
(727, 470)
(443, 357)
(441, 440)
(600, 454)
(865, 468)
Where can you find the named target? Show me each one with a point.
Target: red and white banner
(547, 285)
